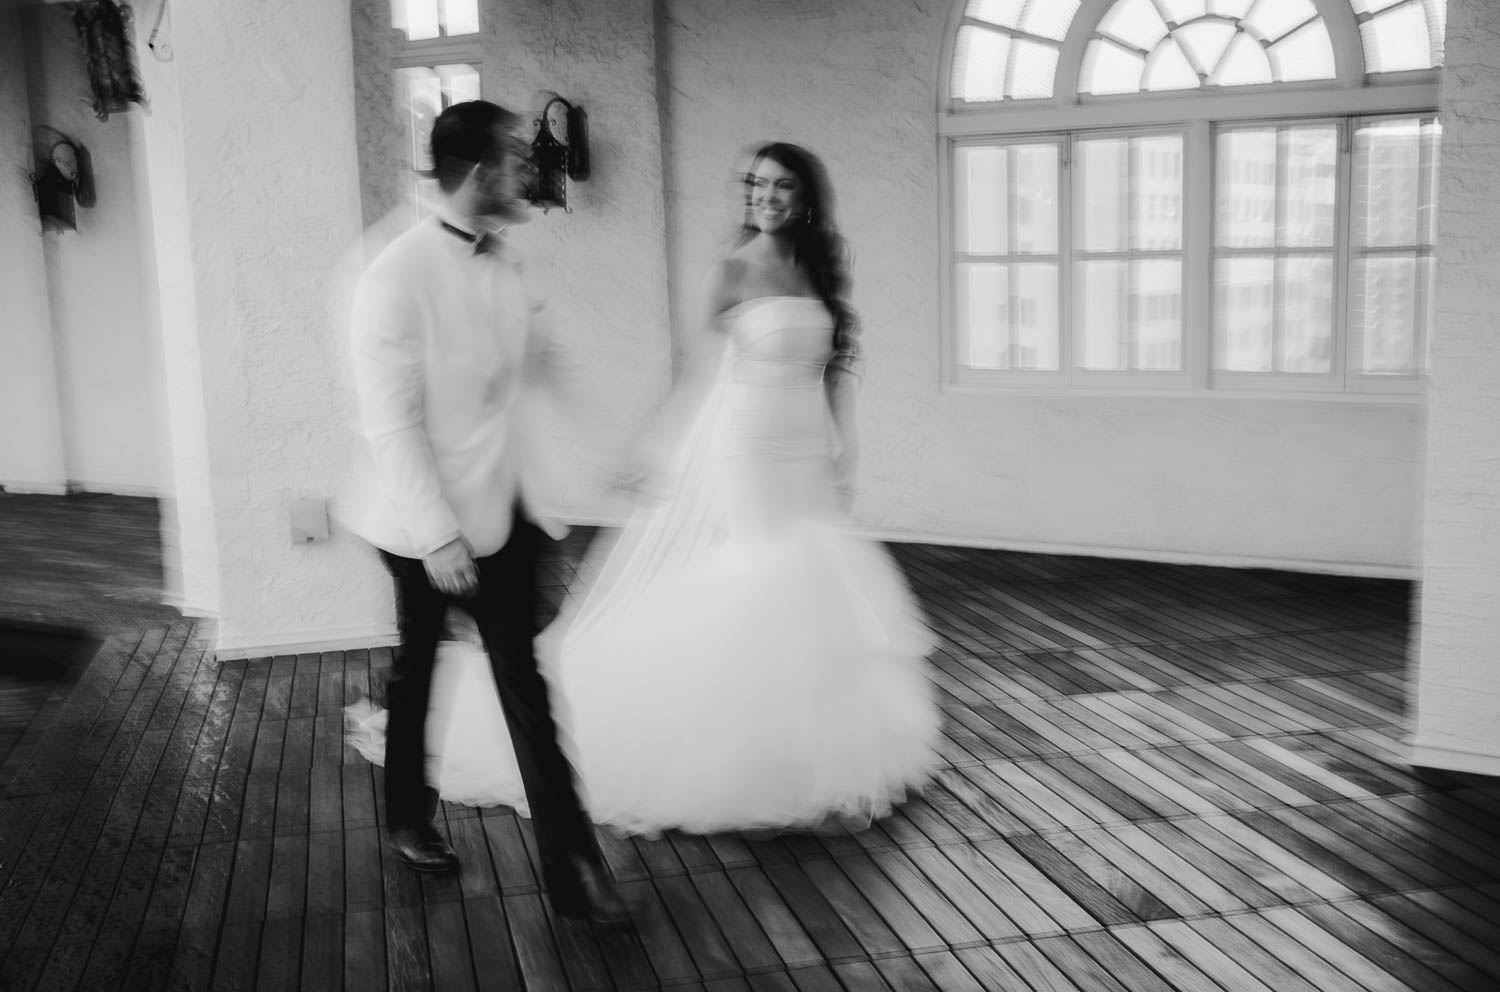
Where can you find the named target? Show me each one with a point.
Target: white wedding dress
(736, 660)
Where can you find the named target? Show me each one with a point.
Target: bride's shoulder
(724, 284)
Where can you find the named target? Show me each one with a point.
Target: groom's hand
(451, 569)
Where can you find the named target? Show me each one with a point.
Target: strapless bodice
(780, 341)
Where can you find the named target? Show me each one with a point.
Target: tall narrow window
(1395, 226)
(437, 65)
(1274, 234)
(420, 20)
(1007, 263)
(1128, 253)
(425, 92)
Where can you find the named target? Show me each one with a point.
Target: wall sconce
(558, 161)
(109, 56)
(64, 176)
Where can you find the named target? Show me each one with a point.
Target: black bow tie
(481, 242)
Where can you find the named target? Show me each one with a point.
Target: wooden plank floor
(1157, 777)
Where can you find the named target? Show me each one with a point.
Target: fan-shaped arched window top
(1015, 49)
(1401, 34)
(1007, 49)
(1156, 45)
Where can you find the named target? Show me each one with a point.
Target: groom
(441, 337)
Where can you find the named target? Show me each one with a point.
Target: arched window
(1191, 194)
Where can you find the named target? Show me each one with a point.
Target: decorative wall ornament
(64, 177)
(103, 26)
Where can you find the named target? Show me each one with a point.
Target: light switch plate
(309, 519)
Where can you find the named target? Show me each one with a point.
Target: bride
(737, 660)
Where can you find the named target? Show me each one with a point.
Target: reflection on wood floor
(1158, 777)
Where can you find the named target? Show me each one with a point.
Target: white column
(31, 444)
(1457, 679)
(255, 197)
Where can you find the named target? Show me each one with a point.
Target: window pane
(1230, 8)
(1102, 308)
(418, 18)
(1156, 307)
(983, 199)
(1245, 64)
(1105, 184)
(979, 61)
(1206, 42)
(462, 16)
(1272, 20)
(1050, 19)
(1005, 13)
(1034, 70)
(1156, 168)
(983, 315)
(1243, 319)
(1036, 316)
(1388, 183)
(1427, 273)
(1182, 11)
(1168, 69)
(1397, 39)
(1309, 160)
(1245, 188)
(1306, 313)
(460, 83)
(1135, 22)
(1305, 54)
(1431, 135)
(1036, 198)
(1385, 314)
(422, 97)
(1108, 68)
(421, 19)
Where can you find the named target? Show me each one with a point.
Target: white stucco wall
(31, 445)
(265, 180)
(255, 198)
(602, 267)
(1304, 484)
(103, 345)
(190, 556)
(1457, 684)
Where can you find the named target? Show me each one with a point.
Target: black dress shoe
(593, 898)
(423, 848)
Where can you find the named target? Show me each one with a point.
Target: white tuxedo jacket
(445, 341)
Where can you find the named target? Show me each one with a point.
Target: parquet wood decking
(1157, 778)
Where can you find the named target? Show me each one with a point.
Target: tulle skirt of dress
(765, 686)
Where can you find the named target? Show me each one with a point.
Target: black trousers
(505, 609)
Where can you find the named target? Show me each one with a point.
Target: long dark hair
(817, 245)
